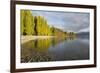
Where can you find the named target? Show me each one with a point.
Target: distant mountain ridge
(83, 33)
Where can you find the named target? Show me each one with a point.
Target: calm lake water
(55, 49)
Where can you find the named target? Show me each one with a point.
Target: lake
(55, 49)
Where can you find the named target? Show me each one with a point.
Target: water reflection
(54, 49)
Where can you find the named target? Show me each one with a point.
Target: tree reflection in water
(37, 50)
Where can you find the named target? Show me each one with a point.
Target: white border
(52, 64)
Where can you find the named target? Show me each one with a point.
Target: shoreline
(27, 38)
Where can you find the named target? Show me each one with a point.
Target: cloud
(67, 21)
(84, 30)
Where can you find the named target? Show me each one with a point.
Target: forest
(38, 26)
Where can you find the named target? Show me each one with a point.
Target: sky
(66, 21)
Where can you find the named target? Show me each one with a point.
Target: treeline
(37, 25)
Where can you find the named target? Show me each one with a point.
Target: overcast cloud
(67, 21)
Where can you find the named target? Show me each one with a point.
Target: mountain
(84, 33)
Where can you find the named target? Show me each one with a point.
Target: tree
(27, 22)
(22, 21)
(37, 25)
